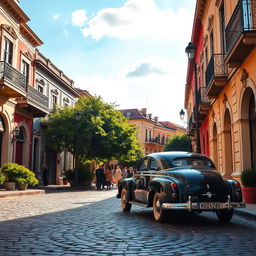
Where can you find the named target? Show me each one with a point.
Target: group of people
(106, 176)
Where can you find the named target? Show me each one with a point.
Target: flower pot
(249, 194)
(22, 186)
(9, 185)
(65, 182)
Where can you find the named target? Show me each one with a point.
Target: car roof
(175, 154)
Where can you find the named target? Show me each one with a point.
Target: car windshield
(192, 161)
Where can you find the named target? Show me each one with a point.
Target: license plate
(210, 205)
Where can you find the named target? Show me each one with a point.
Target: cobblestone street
(92, 223)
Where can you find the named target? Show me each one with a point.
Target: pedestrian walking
(109, 176)
(99, 173)
(118, 175)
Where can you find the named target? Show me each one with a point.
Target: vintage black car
(180, 181)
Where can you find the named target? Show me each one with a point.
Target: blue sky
(130, 52)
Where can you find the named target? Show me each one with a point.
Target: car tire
(159, 212)
(225, 215)
(125, 205)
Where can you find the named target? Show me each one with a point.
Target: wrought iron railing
(202, 98)
(242, 19)
(37, 97)
(216, 68)
(7, 71)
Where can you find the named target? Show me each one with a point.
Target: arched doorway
(36, 155)
(1, 137)
(228, 156)
(19, 147)
(215, 145)
(252, 125)
(248, 129)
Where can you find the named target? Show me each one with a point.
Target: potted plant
(248, 179)
(69, 176)
(85, 175)
(17, 174)
(10, 172)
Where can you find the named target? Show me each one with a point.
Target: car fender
(128, 184)
(235, 195)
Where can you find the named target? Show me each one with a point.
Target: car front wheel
(225, 215)
(159, 212)
(124, 204)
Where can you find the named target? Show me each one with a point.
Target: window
(8, 50)
(40, 88)
(54, 100)
(212, 43)
(143, 165)
(146, 137)
(150, 135)
(25, 70)
(222, 29)
(206, 55)
(153, 165)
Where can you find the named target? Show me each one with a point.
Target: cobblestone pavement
(92, 223)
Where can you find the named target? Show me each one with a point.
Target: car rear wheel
(159, 212)
(124, 204)
(225, 215)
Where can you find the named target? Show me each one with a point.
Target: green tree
(178, 142)
(102, 133)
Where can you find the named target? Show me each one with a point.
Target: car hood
(198, 182)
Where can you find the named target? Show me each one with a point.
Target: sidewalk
(249, 211)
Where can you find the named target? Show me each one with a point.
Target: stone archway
(248, 129)
(228, 150)
(215, 145)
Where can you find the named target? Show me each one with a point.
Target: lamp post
(78, 117)
(15, 133)
(191, 50)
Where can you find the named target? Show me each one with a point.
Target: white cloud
(55, 16)
(160, 93)
(79, 17)
(139, 18)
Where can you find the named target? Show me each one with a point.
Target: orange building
(152, 134)
(224, 37)
(20, 102)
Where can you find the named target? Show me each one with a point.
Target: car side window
(153, 165)
(143, 165)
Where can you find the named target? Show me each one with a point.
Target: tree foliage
(178, 142)
(102, 133)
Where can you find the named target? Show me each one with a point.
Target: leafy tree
(102, 133)
(178, 142)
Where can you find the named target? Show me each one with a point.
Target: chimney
(156, 118)
(144, 111)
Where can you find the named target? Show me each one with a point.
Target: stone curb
(246, 213)
(5, 194)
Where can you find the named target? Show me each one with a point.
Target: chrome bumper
(197, 206)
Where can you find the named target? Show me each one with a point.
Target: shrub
(248, 178)
(2, 178)
(85, 173)
(69, 175)
(18, 173)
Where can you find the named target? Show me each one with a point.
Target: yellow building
(224, 36)
(152, 134)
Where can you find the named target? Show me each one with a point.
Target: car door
(140, 180)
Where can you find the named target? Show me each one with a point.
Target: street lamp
(78, 117)
(182, 114)
(191, 50)
(15, 133)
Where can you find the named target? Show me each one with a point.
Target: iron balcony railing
(202, 98)
(216, 68)
(7, 71)
(37, 97)
(242, 20)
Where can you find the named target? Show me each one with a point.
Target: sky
(129, 52)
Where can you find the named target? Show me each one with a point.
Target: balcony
(154, 141)
(12, 82)
(240, 33)
(35, 102)
(215, 75)
(203, 102)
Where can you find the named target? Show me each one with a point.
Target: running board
(138, 203)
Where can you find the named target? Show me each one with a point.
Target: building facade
(224, 34)
(20, 102)
(152, 134)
